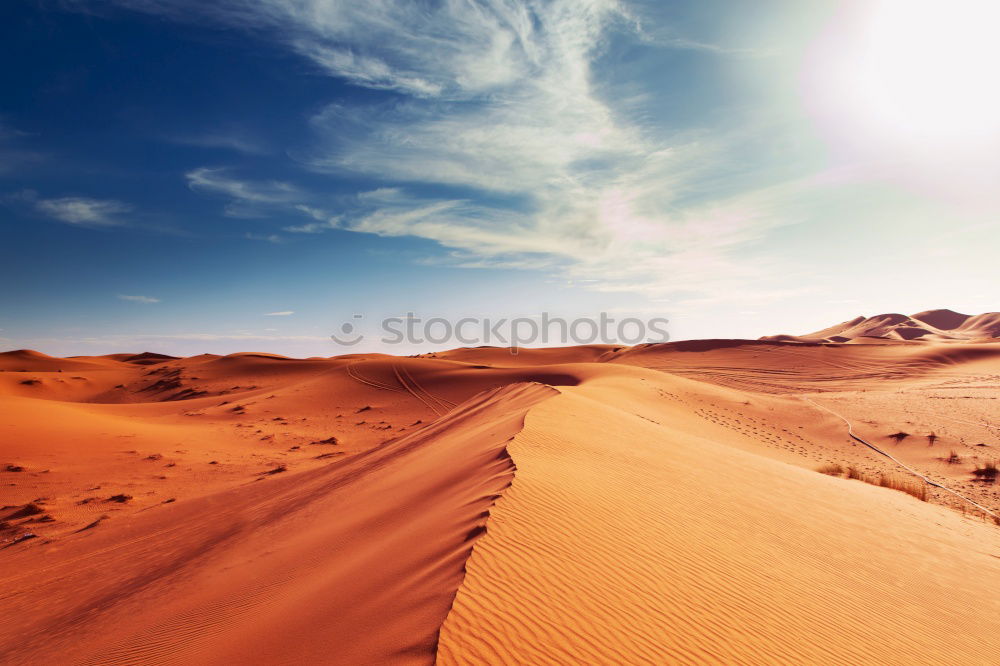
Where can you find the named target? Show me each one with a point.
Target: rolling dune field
(691, 502)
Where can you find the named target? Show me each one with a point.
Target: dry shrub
(988, 472)
(916, 489)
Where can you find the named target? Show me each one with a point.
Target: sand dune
(679, 549)
(654, 504)
(28, 360)
(359, 559)
(930, 325)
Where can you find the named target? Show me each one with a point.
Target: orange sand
(601, 505)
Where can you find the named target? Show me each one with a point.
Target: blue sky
(173, 173)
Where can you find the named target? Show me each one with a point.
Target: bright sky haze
(184, 176)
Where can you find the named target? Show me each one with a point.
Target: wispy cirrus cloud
(312, 227)
(84, 211)
(138, 299)
(503, 99)
(246, 198)
(267, 238)
(324, 221)
(281, 313)
(234, 141)
(450, 49)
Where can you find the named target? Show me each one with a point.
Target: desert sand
(680, 503)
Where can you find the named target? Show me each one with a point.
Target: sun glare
(921, 74)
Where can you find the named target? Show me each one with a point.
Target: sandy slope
(181, 428)
(355, 562)
(665, 506)
(642, 543)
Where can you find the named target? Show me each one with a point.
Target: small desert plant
(914, 488)
(931, 438)
(918, 490)
(832, 469)
(899, 436)
(953, 458)
(988, 472)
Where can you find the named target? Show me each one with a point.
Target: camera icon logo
(348, 336)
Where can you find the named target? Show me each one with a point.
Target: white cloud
(235, 142)
(84, 211)
(502, 98)
(324, 221)
(282, 313)
(216, 181)
(452, 48)
(366, 70)
(605, 199)
(246, 198)
(311, 227)
(268, 238)
(138, 299)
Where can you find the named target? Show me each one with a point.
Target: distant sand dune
(931, 325)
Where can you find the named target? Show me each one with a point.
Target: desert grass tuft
(916, 489)
(988, 472)
(833, 469)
